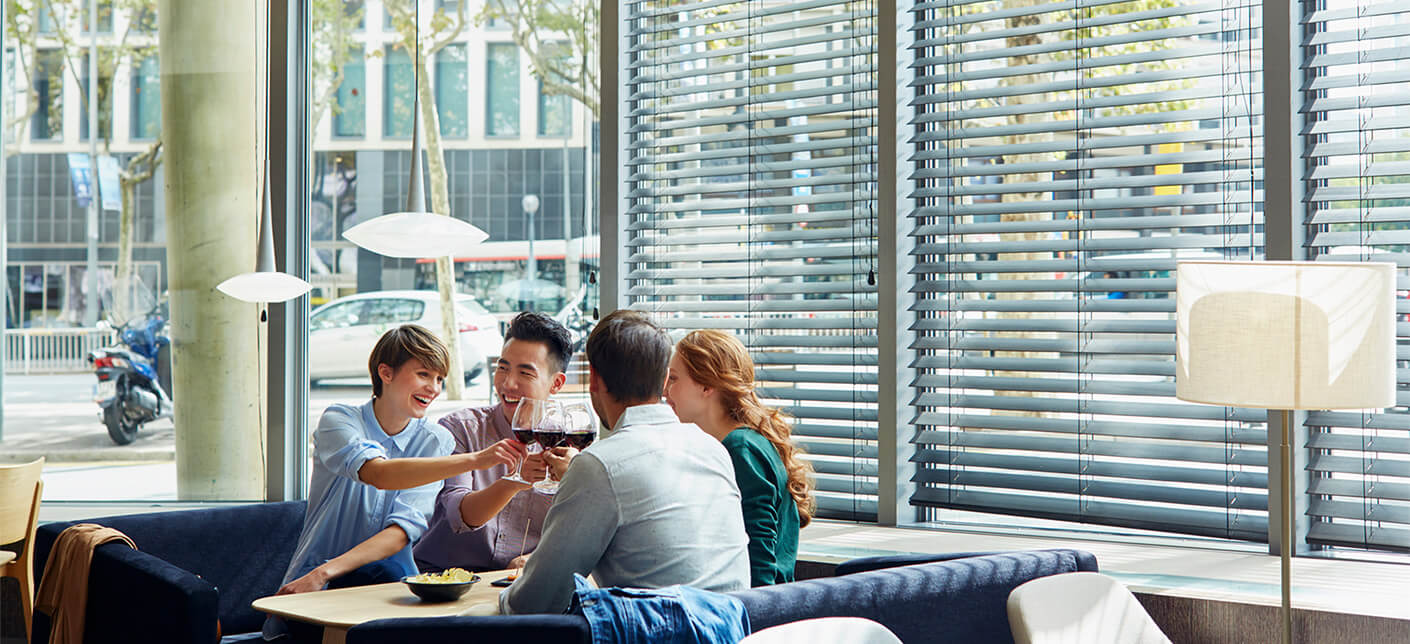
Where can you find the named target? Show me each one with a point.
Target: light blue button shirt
(342, 510)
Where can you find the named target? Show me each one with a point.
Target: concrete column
(208, 52)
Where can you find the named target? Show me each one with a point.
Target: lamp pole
(90, 303)
(531, 205)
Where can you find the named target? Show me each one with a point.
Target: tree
(333, 24)
(135, 43)
(443, 29)
(560, 38)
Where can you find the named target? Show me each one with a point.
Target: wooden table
(338, 610)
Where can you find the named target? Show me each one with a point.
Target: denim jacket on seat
(670, 615)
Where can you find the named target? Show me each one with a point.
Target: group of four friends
(705, 490)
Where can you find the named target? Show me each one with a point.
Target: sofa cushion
(961, 600)
(555, 629)
(1086, 561)
(242, 551)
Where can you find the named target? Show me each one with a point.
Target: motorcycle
(572, 317)
(130, 390)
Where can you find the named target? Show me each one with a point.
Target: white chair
(825, 630)
(1079, 608)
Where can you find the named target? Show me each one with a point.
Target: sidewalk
(54, 416)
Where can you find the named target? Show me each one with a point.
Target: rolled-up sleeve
(411, 507)
(576, 532)
(340, 445)
(456, 487)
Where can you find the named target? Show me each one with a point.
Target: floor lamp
(1285, 336)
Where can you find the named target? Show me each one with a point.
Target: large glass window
(105, 16)
(105, 102)
(750, 177)
(479, 175)
(46, 98)
(452, 91)
(146, 99)
(555, 114)
(502, 95)
(398, 85)
(1356, 145)
(69, 293)
(350, 108)
(1065, 160)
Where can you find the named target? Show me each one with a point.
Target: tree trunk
(122, 286)
(571, 256)
(440, 203)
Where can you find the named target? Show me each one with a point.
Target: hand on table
(518, 563)
(314, 580)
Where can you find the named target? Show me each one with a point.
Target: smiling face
(408, 390)
(524, 371)
(690, 399)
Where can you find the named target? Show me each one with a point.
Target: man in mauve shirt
(483, 521)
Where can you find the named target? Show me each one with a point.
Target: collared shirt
(513, 531)
(652, 505)
(342, 510)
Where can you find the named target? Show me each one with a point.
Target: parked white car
(343, 332)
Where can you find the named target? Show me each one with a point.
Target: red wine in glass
(528, 414)
(549, 438)
(580, 440)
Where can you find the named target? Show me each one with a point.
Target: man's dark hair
(537, 327)
(630, 354)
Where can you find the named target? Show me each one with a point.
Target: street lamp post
(531, 205)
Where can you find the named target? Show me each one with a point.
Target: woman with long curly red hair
(711, 383)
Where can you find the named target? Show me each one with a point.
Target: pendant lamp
(266, 283)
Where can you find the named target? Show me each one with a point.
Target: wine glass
(549, 433)
(581, 428)
(578, 430)
(528, 415)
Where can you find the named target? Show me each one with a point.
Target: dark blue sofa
(957, 600)
(191, 579)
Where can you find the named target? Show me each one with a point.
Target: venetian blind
(749, 199)
(1356, 93)
(1066, 155)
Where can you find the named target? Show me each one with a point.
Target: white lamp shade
(416, 234)
(264, 286)
(1285, 335)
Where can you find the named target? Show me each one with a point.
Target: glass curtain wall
(66, 296)
(479, 164)
(750, 176)
(1357, 187)
(1065, 160)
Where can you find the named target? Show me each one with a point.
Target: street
(54, 416)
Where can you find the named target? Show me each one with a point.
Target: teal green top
(770, 515)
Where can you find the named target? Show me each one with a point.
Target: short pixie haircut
(404, 343)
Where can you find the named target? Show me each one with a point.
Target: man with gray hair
(653, 504)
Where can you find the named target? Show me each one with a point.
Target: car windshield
(471, 305)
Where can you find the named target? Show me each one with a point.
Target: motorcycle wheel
(120, 429)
